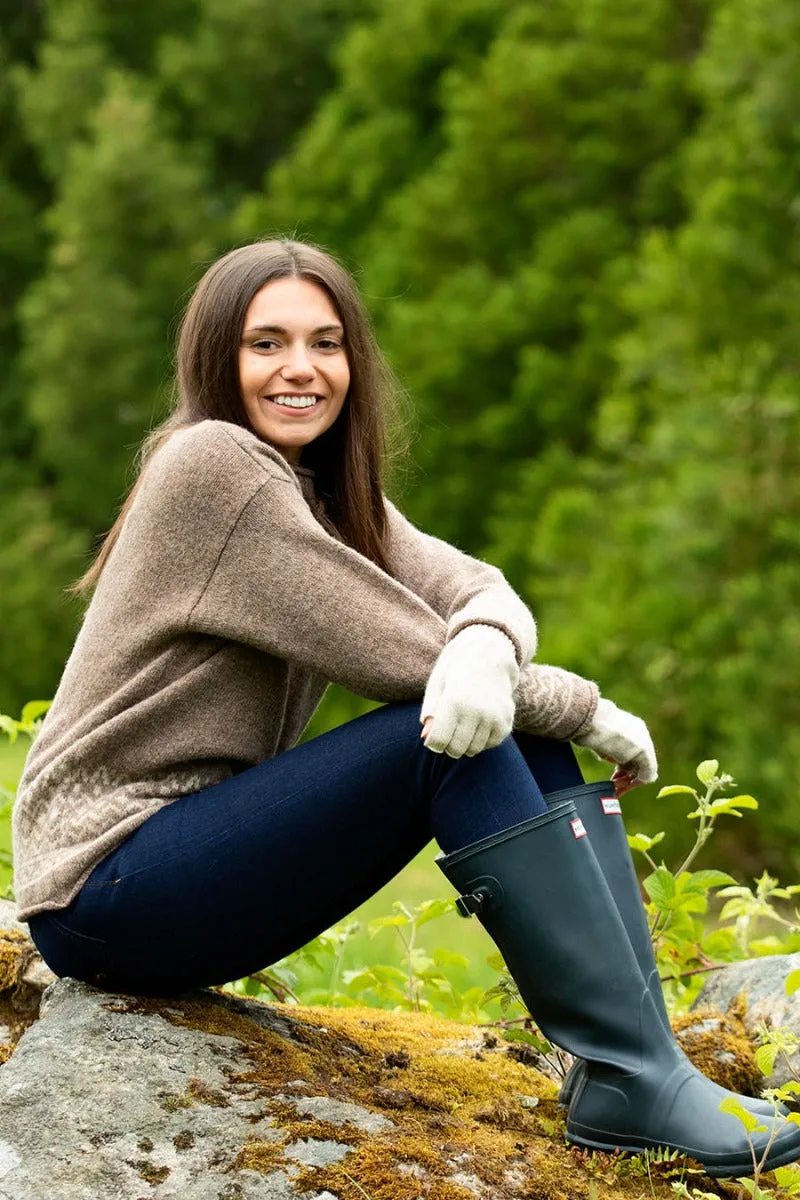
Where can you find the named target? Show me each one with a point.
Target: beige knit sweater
(226, 607)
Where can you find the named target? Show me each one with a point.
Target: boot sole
(743, 1166)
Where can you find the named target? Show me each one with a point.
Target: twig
(278, 988)
(505, 1023)
(694, 971)
(357, 1184)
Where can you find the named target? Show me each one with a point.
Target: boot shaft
(540, 893)
(601, 813)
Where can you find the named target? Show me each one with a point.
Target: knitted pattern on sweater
(227, 605)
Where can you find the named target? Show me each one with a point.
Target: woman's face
(292, 346)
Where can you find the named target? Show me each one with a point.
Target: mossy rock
(214, 1097)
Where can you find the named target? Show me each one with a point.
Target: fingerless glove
(470, 692)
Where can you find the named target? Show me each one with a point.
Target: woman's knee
(552, 763)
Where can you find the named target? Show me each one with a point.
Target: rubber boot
(540, 893)
(601, 813)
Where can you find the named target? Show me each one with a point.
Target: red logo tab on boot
(577, 827)
(611, 805)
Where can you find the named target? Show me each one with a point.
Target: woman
(169, 831)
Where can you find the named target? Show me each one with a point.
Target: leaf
(788, 1178)
(640, 841)
(387, 973)
(495, 961)
(792, 982)
(677, 789)
(449, 958)
(707, 770)
(765, 946)
(743, 801)
(358, 979)
(10, 726)
(704, 880)
(735, 908)
(429, 910)
(529, 1039)
(731, 805)
(765, 1059)
(385, 922)
(34, 709)
(661, 887)
(731, 1105)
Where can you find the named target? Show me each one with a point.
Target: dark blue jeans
(224, 882)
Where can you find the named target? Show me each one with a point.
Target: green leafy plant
(686, 947)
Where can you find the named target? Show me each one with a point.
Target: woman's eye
(262, 343)
(329, 344)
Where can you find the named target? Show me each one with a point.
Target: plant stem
(278, 988)
(704, 832)
(694, 971)
(356, 1184)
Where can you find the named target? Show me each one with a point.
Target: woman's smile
(295, 404)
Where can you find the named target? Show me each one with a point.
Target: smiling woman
(170, 828)
(293, 366)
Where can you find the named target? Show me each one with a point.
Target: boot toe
(681, 1112)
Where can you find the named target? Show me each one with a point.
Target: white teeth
(295, 401)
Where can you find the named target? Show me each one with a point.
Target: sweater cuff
(456, 629)
(502, 608)
(555, 703)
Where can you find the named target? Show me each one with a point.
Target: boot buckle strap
(476, 901)
(469, 904)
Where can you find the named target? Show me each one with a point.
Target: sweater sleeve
(553, 702)
(461, 589)
(283, 584)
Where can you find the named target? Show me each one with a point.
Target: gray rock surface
(763, 982)
(101, 1101)
(8, 918)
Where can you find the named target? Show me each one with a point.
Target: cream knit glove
(470, 692)
(618, 735)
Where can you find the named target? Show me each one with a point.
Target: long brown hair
(350, 457)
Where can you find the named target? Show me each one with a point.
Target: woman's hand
(468, 704)
(622, 738)
(623, 781)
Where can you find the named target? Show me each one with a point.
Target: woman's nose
(298, 363)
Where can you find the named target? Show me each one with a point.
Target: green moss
(725, 1053)
(451, 1111)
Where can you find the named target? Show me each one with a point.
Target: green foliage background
(576, 227)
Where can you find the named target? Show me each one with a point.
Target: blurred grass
(12, 760)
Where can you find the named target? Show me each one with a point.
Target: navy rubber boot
(541, 895)
(601, 813)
